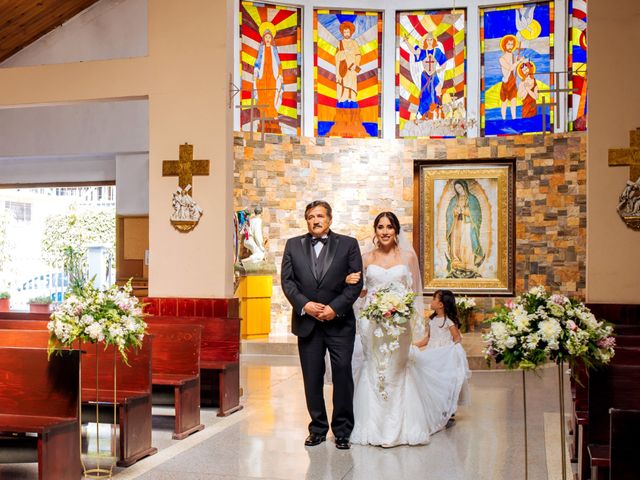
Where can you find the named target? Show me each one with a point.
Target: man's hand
(327, 314)
(314, 309)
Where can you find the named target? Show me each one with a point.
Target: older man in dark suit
(314, 269)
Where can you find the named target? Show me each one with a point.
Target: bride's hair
(393, 219)
(448, 300)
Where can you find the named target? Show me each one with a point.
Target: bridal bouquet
(112, 316)
(389, 308)
(538, 327)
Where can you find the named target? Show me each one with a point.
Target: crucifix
(186, 212)
(629, 157)
(629, 201)
(185, 168)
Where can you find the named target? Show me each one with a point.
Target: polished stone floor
(265, 439)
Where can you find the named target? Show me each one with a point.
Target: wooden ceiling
(24, 21)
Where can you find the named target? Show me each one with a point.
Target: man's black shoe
(342, 443)
(314, 439)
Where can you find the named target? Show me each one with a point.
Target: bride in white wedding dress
(398, 398)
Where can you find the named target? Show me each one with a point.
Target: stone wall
(362, 177)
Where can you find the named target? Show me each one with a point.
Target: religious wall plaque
(186, 212)
(466, 228)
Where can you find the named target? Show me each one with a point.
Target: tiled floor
(265, 440)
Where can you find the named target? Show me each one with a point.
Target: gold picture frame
(466, 226)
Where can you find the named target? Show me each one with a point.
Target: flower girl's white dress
(410, 399)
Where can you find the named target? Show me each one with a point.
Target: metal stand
(526, 449)
(562, 419)
(100, 471)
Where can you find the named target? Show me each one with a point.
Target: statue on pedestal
(250, 235)
(254, 240)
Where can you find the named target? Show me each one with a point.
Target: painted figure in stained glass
(528, 89)
(427, 69)
(348, 59)
(508, 64)
(270, 68)
(267, 78)
(515, 44)
(430, 74)
(347, 73)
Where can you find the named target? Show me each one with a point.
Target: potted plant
(4, 301)
(40, 304)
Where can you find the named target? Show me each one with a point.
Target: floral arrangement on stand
(465, 306)
(390, 308)
(112, 316)
(537, 327)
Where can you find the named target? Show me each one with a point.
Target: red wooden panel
(169, 306)
(24, 338)
(34, 385)
(23, 324)
(131, 379)
(176, 348)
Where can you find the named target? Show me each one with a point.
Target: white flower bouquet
(465, 306)
(390, 308)
(538, 327)
(112, 316)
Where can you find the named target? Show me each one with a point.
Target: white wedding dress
(414, 400)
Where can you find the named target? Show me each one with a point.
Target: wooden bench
(625, 341)
(616, 386)
(618, 313)
(219, 359)
(133, 387)
(40, 396)
(176, 365)
(624, 462)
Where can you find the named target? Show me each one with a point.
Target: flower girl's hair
(448, 300)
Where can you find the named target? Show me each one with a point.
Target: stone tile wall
(361, 177)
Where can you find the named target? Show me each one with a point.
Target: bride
(397, 401)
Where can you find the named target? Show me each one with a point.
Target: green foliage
(74, 263)
(42, 300)
(4, 295)
(76, 231)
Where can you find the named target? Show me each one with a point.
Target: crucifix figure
(185, 168)
(186, 212)
(629, 157)
(629, 202)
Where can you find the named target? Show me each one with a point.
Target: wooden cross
(628, 156)
(185, 168)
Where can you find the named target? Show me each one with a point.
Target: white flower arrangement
(113, 316)
(390, 308)
(465, 306)
(538, 327)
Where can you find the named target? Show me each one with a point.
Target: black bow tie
(315, 240)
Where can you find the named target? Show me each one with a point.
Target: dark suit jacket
(301, 284)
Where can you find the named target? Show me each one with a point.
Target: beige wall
(613, 250)
(185, 78)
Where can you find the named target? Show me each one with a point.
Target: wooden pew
(623, 451)
(176, 364)
(625, 341)
(627, 314)
(40, 396)
(219, 359)
(133, 387)
(616, 386)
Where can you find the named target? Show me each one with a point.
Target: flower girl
(444, 351)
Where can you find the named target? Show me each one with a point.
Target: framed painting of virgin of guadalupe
(466, 234)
